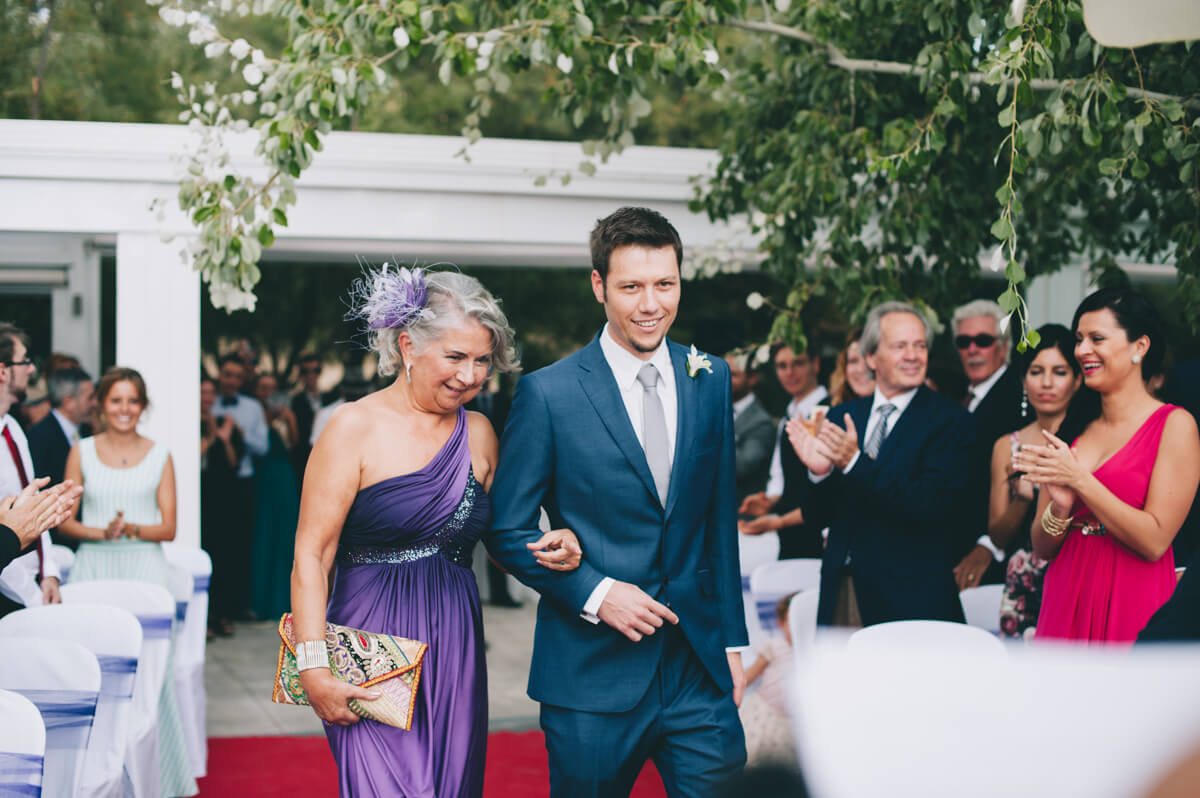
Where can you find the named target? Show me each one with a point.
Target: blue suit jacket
(898, 516)
(569, 446)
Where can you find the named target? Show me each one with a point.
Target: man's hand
(738, 676)
(50, 594)
(628, 609)
(968, 572)
(764, 523)
(814, 454)
(558, 550)
(842, 443)
(757, 504)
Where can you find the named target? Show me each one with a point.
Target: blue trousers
(684, 723)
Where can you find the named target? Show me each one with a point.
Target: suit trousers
(684, 723)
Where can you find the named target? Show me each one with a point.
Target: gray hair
(63, 384)
(872, 333)
(982, 307)
(451, 299)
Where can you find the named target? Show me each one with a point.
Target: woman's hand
(1055, 468)
(329, 696)
(224, 428)
(558, 550)
(116, 527)
(1022, 488)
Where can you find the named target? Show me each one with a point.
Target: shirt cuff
(736, 649)
(591, 607)
(817, 479)
(49, 564)
(853, 460)
(986, 541)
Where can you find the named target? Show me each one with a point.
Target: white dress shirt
(797, 408)
(900, 401)
(248, 415)
(18, 581)
(978, 392)
(68, 427)
(625, 367)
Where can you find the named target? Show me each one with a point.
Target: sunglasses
(25, 362)
(983, 340)
(310, 370)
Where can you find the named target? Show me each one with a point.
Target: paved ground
(238, 673)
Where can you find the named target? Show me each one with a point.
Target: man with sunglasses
(32, 578)
(994, 401)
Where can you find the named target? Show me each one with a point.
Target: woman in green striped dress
(128, 509)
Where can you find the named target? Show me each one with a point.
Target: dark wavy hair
(1136, 316)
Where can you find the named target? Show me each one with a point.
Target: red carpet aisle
(299, 767)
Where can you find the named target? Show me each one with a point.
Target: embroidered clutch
(391, 665)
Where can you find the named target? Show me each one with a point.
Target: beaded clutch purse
(391, 665)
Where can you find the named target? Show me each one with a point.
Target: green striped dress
(134, 492)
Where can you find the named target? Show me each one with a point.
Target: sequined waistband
(457, 553)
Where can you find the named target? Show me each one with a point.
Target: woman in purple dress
(395, 494)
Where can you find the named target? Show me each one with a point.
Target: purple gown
(404, 568)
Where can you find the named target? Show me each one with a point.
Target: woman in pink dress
(1113, 500)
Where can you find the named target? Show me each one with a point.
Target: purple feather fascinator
(392, 297)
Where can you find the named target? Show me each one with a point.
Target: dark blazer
(10, 546)
(801, 540)
(897, 516)
(754, 434)
(1179, 619)
(998, 414)
(570, 447)
(49, 447)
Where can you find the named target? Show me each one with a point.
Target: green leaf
(1109, 166)
(230, 182)
(1015, 272)
(280, 217)
(1002, 228)
(1140, 169)
(1004, 194)
(975, 24)
(1008, 301)
(1006, 116)
(1033, 337)
(665, 58)
(587, 167)
(265, 236)
(583, 24)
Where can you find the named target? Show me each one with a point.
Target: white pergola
(71, 192)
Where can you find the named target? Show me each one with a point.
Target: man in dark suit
(994, 401)
(72, 399)
(305, 404)
(753, 428)
(887, 472)
(629, 443)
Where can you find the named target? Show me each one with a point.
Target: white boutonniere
(696, 361)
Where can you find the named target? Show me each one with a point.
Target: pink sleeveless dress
(1095, 588)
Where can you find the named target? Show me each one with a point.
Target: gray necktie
(880, 433)
(654, 431)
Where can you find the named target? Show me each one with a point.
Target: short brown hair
(632, 227)
(9, 335)
(121, 374)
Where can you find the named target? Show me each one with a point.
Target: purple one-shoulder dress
(404, 568)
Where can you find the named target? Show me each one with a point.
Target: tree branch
(839, 59)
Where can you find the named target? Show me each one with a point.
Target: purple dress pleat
(404, 568)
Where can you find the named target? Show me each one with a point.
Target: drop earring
(1024, 403)
(408, 372)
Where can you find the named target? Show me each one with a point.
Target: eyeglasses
(983, 340)
(310, 369)
(25, 362)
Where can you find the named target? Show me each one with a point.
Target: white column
(1054, 297)
(158, 333)
(76, 307)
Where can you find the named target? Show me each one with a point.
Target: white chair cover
(1095, 721)
(885, 638)
(154, 609)
(22, 746)
(774, 580)
(62, 679)
(802, 620)
(189, 652)
(756, 550)
(981, 605)
(115, 637)
(65, 559)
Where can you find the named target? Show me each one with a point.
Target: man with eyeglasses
(32, 578)
(994, 401)
(306, 403)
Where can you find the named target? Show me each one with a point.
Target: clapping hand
(34, 509)
(224, 429)
(116, 527)
(1021, 487)
(842, 443)
(811, 451)
(558, 550)
(1053, 466)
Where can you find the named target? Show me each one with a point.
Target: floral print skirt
(1022, 600)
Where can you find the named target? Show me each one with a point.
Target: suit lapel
(600, 387)
(686, 403)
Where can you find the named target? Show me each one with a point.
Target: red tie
(20, 464)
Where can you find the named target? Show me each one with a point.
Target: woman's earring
(1024, 403)
(408, 372)
(1136, 358)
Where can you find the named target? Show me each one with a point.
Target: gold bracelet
(1052, 525)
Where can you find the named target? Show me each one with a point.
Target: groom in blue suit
(629, 443)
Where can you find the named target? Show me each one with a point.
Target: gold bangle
(1052, 525)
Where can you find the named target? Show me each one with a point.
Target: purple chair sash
(20, 774)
